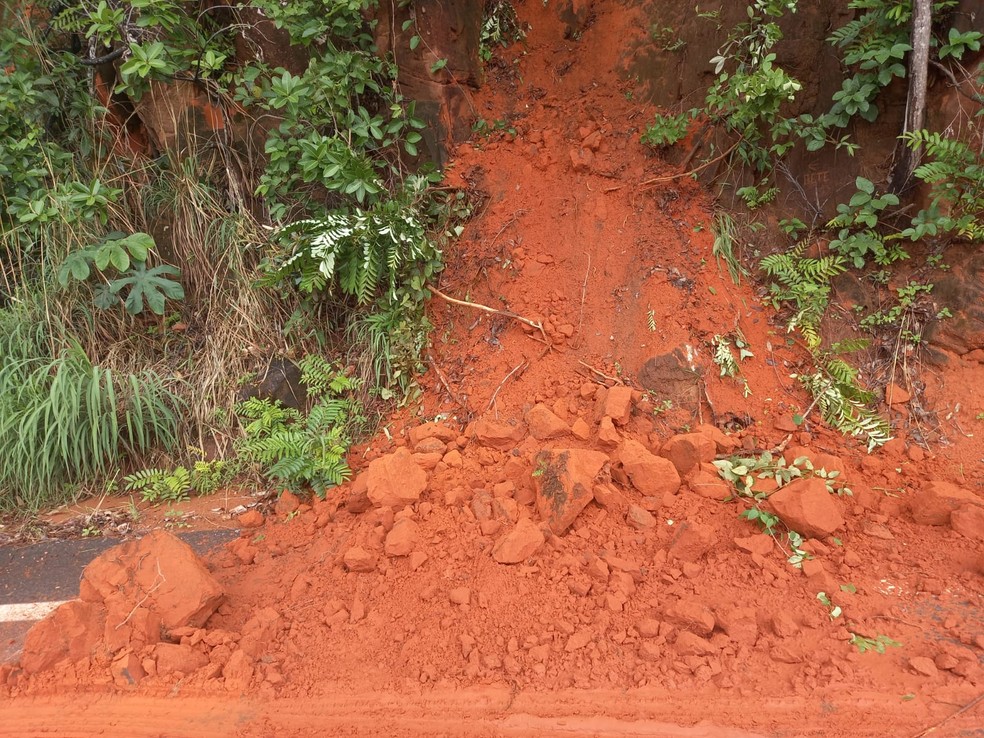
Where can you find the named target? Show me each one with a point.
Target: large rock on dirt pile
(159, 573)
(935, 501)
(806, 506)
(131, 596)
(564, 480)
(395, 480)
(652, 475)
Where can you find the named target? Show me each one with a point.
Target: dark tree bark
(906, 160)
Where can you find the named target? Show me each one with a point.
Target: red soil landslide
(555, 556)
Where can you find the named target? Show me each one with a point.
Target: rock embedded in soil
(639, 519)
(359, 560)
(519, 543)
(173, 657)
(692, 542)
(691, 644)
(805, 506)
(287, 503)
(616, 403)
(127, 670)
(710, 485)
(968, 521)
(402, 538)
(250, 519)
(687, 451)
(608, 436)
(544, 425)
(761, 544)
(652, 475)
(425, 431)
(924, 666)
(564, 481)
(934, 502)
(497, 435)
(357, 501)
(692, 616)
(723, 443)
(395, 480)
(671, 376)
(581, 430)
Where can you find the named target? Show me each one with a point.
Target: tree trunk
(906, 160)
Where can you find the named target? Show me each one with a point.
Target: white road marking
(28, 611)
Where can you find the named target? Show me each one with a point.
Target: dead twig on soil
(689, 173)
(601, 374)
(969, 706)
(520, 367)
(444, 381)
(584, 295)
(491, 310)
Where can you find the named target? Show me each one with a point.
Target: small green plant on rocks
(878, 644)
(724, 357)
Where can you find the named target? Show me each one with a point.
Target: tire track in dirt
(461, 713)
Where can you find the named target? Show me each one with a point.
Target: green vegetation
(148, 260)
(747, 105)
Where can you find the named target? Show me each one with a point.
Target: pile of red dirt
(556, 546)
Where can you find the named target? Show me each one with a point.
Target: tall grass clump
(64, 420)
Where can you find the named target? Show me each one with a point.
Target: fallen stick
(616, 380)
(491, 310)
(969, 706)
(521, 366)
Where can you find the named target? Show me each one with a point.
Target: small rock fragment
(639, 519)
(358, 559)
(518, 544)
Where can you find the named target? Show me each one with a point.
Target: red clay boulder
(935, 501)
(652, 475)
(159, 572)
(564, 480)
(806, 507)
(395, 480)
